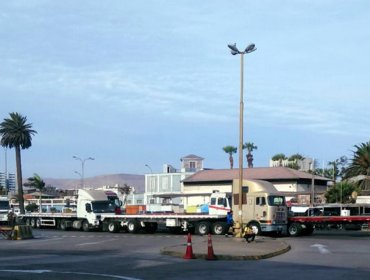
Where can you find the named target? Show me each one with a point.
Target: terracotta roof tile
(261, 173)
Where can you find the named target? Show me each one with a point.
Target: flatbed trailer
(305, 225)
(201, 224)
(95, 211)
(56, 220)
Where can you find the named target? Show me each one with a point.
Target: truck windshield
(4, 205)
(276, 200)
(103, 207)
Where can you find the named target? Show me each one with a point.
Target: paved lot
(96, 255)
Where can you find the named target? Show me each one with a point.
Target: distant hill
(137, 181)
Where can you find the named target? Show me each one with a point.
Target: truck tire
(255, 226)
(33, 223)
(113, 227)
(133, 226)
(219, 228)
(63, 225)
(294, 229)
(202, 228)
(38, 223)
(151, 227)
(85, 226)
(308, 230)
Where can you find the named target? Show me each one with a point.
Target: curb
(174, 253)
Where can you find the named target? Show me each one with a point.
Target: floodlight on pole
(151, 171)
(234, 51)
(83, 168)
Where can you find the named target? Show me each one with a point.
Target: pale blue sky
(147, 82)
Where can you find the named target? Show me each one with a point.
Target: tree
(280, 158)
(341, 192)
(360, 166)
(338, 167)
(125, 191)
(37, 182)
(17, 133)
(230, 150)
(250, 147)
(296, 157)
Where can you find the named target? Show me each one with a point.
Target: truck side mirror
(88, 208)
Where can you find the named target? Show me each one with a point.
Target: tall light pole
(83, 167)
(151, 171)
(313, 184)
(235, 51)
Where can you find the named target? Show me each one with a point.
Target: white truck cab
(219, 204)
(90, 205)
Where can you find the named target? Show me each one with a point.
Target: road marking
(94, 243)
(322, 248)
(40, 271)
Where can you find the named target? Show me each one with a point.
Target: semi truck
(304, 220)
(263, 208)
(96, 210)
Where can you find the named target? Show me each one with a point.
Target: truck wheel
(308, 230)
(203, 228)
(255, 227)
(63, 225)
(295, 229)
(133, 226)
(85, 226)
(219, 228)
(113, 227)
(33, 223)
(151, 227)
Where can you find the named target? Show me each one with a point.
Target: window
(152, 184)
(220, 201)
(213, 201)
(164, 181)
(276, 200)
(260, 201)
(192, 165)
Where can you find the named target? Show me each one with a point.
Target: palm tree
(293, 161)
(296, 157)
(279, 157)
(230, 150)
(16, 132)
(250, 147)
(360, 165)
(37, 182)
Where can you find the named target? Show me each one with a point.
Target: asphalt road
(94, 255)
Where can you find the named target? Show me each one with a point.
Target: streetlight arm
(82, 174)
(233, 48)
(250, 48)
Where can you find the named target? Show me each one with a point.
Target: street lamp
(235, 51)
(151, 171)
(82, 167)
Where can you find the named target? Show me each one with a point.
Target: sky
(138, 84)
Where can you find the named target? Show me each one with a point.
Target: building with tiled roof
(293, 183)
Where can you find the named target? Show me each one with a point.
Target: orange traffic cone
(211, 256)
(189, 249)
